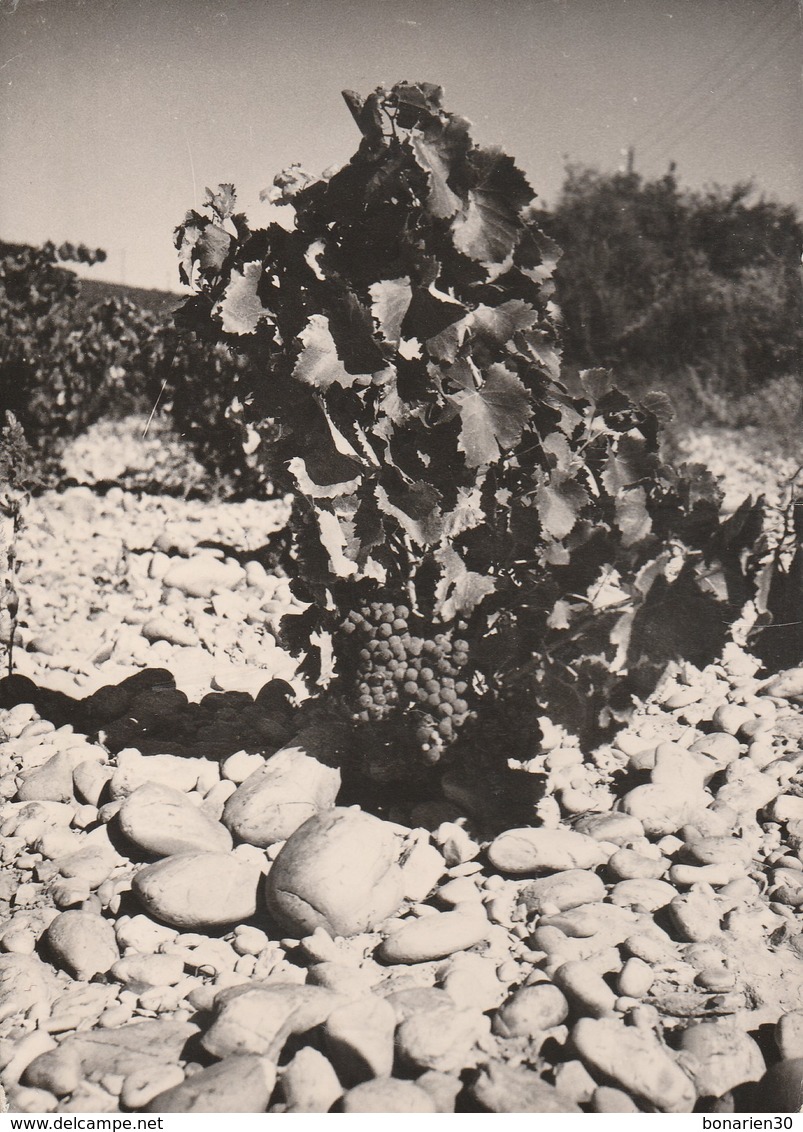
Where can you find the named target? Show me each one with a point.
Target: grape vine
(401, 374)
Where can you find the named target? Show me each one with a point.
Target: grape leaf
(627, 464)
(660, 405)
(369, 530)
(559, 503)
(488, 227)
(441, 201)
(560, 616)
(595, 382)
(429, 312)
(334, 540)
(318, 363)
(501, 323)
(459, 590)
(632, 517)
(200, 241)
(493, 417)
(222, 202)
(546, 355)
(297, 467)
(240, 310)
(353, 331)
(390, 300)
(416, 506)
(536, 253)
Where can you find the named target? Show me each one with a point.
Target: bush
(696, 293)
(481, 545)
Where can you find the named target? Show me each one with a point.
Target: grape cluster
(401, 675)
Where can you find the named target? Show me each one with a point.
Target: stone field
(193, 918)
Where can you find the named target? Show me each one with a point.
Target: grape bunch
(399, 675)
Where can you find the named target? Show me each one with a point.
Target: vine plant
(453, 498)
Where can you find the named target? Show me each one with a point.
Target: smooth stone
(202, 576)
(249, 940)
(92, 864)
(636, 1060)
(472, 980)
(530, 1011)
(162, 628)
(781, 1087)
(617, 828)
(434, 937)
(786, 808)
(352, 982)
(196, 890)
(51, 782)
(386, 1094)
(674, 764)
(135, 769)
(564, 890)
(747, 789)
(163, 823)
(443, 1040)
(524, 851)
(722, 1056)
(664, 807)
(686, 876)
(461, 890)
(239, 766)
(583, 986)
(359, 1039)
(508, 1088)
(604, 923)
(260, 1017)
(338, 871)
(82, 944)
(606, 1099)
(22, 1099)
(142, 934)
(89, 781)
(719, 745)
(141, 1086)
(573, 1080)
(443, 1088)
(237, 1084)
(309, 1082)
(628, 864)
(26, 1049)
(119, 1052)
(60, 1075)
(695, 916)
(280, 796)
(647, 894)
(419, 1000)
(683, 697)
(27, 987)
(719, 850)
(787, 684)
(789, 1035)
(731, 718)
(635, 978)
(139, 972)
(422, 866)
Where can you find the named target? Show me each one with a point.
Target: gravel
(170, 944)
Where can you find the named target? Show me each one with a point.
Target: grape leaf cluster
(402, 372)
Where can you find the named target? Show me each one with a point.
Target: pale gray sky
(115, 114)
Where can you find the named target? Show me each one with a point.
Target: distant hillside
(159, 302)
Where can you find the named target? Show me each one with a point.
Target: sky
(116, 114)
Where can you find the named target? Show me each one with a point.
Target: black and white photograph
(401, 559)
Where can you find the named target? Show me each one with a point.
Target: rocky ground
(190, 922)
